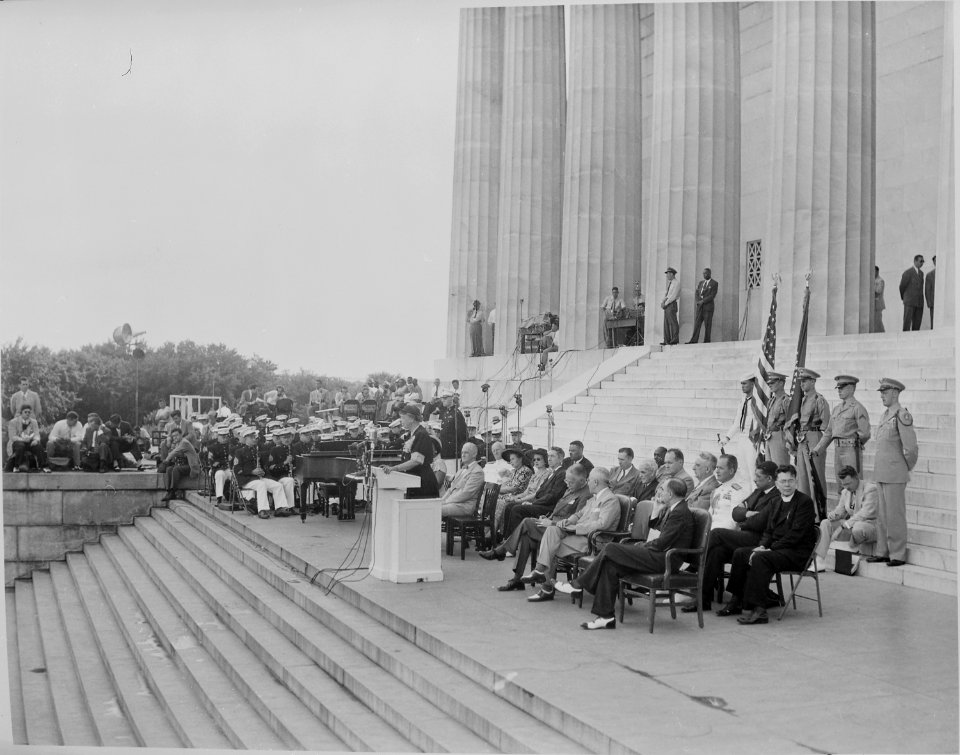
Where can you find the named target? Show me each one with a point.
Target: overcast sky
(276, 176)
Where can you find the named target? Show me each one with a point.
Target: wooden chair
(806, 571)
(476, 524)
(368, 409)
(670, 582)
(351, 408)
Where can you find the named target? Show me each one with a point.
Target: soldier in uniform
(849, 428)
(280, 466)
(250, 475)
(743, 435)
(896, 455)
(814, 416)
(218, 459)
(778, 409)
(727, 495)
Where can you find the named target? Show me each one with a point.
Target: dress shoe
(492, 555)
(568, 589)
(513, 584)
(757, 616)
(599, 623)
(541, 596)
(284, 511)
(895, 562)
(692, 608)
(733, 608)
(227, 506)
(219, 499)
(877, 559)
(251, 508)
(533, 578)
(263, 514)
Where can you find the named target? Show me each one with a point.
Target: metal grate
(754, 259)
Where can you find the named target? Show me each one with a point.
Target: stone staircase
(685, 395)
(178, 631)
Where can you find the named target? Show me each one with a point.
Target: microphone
(485, 387)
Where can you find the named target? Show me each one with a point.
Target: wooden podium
(406, 532)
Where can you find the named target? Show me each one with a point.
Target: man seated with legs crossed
(751, 517)
(569, 535)
(854, 520)
(786, 544)
(602, 577)
(525, 538)
(462, 495)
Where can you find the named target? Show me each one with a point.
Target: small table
(624, 331)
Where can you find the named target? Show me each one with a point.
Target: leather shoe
(599, 623)
(895, 562)
(540, 597)
(263, 514)
(513, 584)
(757, 616)
(492, 555)
(877, 559)
(533, 578)
(568, 589)
(692, 608)
(732, 608)
(284, 511)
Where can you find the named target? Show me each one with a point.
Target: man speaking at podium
(417, 454)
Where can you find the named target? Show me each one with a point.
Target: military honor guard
(848, 428)
(778, 410)
(897, 454)
(743, 435)
(218, 460)
(814, 416)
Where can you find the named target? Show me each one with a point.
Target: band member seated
(280, 463)
(182, 461)
(417, 454)
(65, 439)
(250, 476)
(23, 444)
(218, 457)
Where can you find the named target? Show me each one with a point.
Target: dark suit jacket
(760, 502)
(644, 492)
(708, 293)
(624, 486)
(676, 530)
(584, 462)
(790, 526)
(552, 490)
(911, 287)
(929, 285)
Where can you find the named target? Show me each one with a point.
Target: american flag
(765, 364)
(796, 397)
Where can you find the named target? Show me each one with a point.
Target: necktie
(743, 416)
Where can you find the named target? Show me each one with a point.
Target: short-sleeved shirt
(421, 443)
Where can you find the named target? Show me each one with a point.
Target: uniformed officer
(778, 409)
(727, 495)
(743, 435)
(896, 455)
(849, 427)
(814, 416)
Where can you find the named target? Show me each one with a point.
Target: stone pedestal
(476, 170)
(695, 163)
(822, 198)
(945, 294)
(531, 169)
(601, 197)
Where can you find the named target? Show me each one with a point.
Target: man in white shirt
(743, 435)
(613, 305)
(727, 495)
(65, 438)
(496, 467)
(671, 324)
(462, 495)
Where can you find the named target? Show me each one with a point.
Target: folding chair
(477, 524)
(800, 574)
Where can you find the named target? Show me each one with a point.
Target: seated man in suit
(23, 442)
(182, 461)
(624, 475)
(524, 539)
(96, 449)
(462, 495)
(672, 468)
(645, 486)
(728, 494)
(569, 535)
(125, 440)
(602, 577)
(576, 456)
(751, 517)
(704, 468)
(545, 498)
(786, 544)
(855, 517)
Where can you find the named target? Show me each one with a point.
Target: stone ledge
(83, 481)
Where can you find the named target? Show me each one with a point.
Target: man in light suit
(569, 535)
(624, 475)
(23, 442)
(25, 397)
(705, 293)
(463, 494)
(911, 294)
(671, 325)
(855, 517)
(704, 468)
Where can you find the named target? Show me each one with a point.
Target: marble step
(420, 723)
(497, 722)
(135, 698)
(18, 723)
(73, 717)
(221, 699)
(113, 728)
(40, 717)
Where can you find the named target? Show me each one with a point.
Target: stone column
(944, 296)
(601, 194)
(822, 178)
(531, 169)
(476, 170)
(695, 163)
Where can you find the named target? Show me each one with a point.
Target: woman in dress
(535, 479)
(417, 454)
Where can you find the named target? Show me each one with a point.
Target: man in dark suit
(929, 286)
(125, 439)
(704, 295)
(911, 294)
(786, 543)
(752, 516)
(624, 475)
(602, 577)
(546, 498)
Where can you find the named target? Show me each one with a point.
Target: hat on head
(248, 431)
(747, 377)
(274, 423)
(281, 418)
(776, 376)
(519, 452)
(516, 432)
(806, 374)
(223, 431)
(886, 383)
(841, 379)
(293, 421)
(670, 270)
(412, 410)
(395, 423)
(447, 393)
